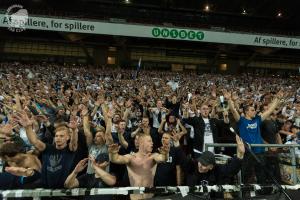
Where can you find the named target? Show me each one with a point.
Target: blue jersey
(250, 132)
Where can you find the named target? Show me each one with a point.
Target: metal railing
(38, 193)
(291, 148)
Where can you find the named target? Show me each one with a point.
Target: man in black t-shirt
(270, 134)
(270, 130)
(168, 173)
(57, 159)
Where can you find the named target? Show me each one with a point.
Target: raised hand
(84, 111)
(81, 165)
(74, 111)
(103, 165)
(227, 94)
(213, 91)
(240, 149)
(6, 129)
(280, 94)
(185, 105)
(42, 118)
(85, 98)
(109, 113)
(93, 161)
(128, 103)
(73, 123)
(99, 101)
(234, 96)
(164, 149)
(113, 148)
(175, 136)
(225, 113)
(23, 119)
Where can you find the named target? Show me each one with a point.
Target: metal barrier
(291, 148)
(36, 194)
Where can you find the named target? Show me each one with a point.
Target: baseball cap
(102, 157)
(207, 158)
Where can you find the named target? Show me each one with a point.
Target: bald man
(142, 165)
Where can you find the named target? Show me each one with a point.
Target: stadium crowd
(68, 127)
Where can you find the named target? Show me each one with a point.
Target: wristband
(22, 179)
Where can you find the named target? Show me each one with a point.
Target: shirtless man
(142, 165)
(20, 164)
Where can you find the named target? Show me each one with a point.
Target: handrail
(183, 190)
(252, 145)
(290, 146)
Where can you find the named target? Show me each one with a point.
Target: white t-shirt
(297, 121)
(208, 136)
(174, 85)
(155, 113)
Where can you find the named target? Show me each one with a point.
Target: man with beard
(98, 144)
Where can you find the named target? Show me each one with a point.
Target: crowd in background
(67, 127)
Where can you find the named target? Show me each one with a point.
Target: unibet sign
(177, 34)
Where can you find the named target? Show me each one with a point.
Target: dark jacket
(220, 174)
(216, 126)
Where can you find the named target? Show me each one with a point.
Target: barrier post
(294, 165)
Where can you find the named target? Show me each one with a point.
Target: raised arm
(182, 128)
(72, 181)
(274, 104)
(186, 118)
(23, 120)
(225, 117)
(108, 121)
(163, 154)
(86, 127)
(234, 166)
(73, 145)
(134, 133)
(18, 102)
(98, 103)
(232, 108)
(100, 171)
(127, 111)
(114, 156)
(161, 126)
(122, 140)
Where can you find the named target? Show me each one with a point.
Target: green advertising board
(21, 23)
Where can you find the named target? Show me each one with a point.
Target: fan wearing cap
(295, 138)
(98, 143)
(204, 170)
(102, 178)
